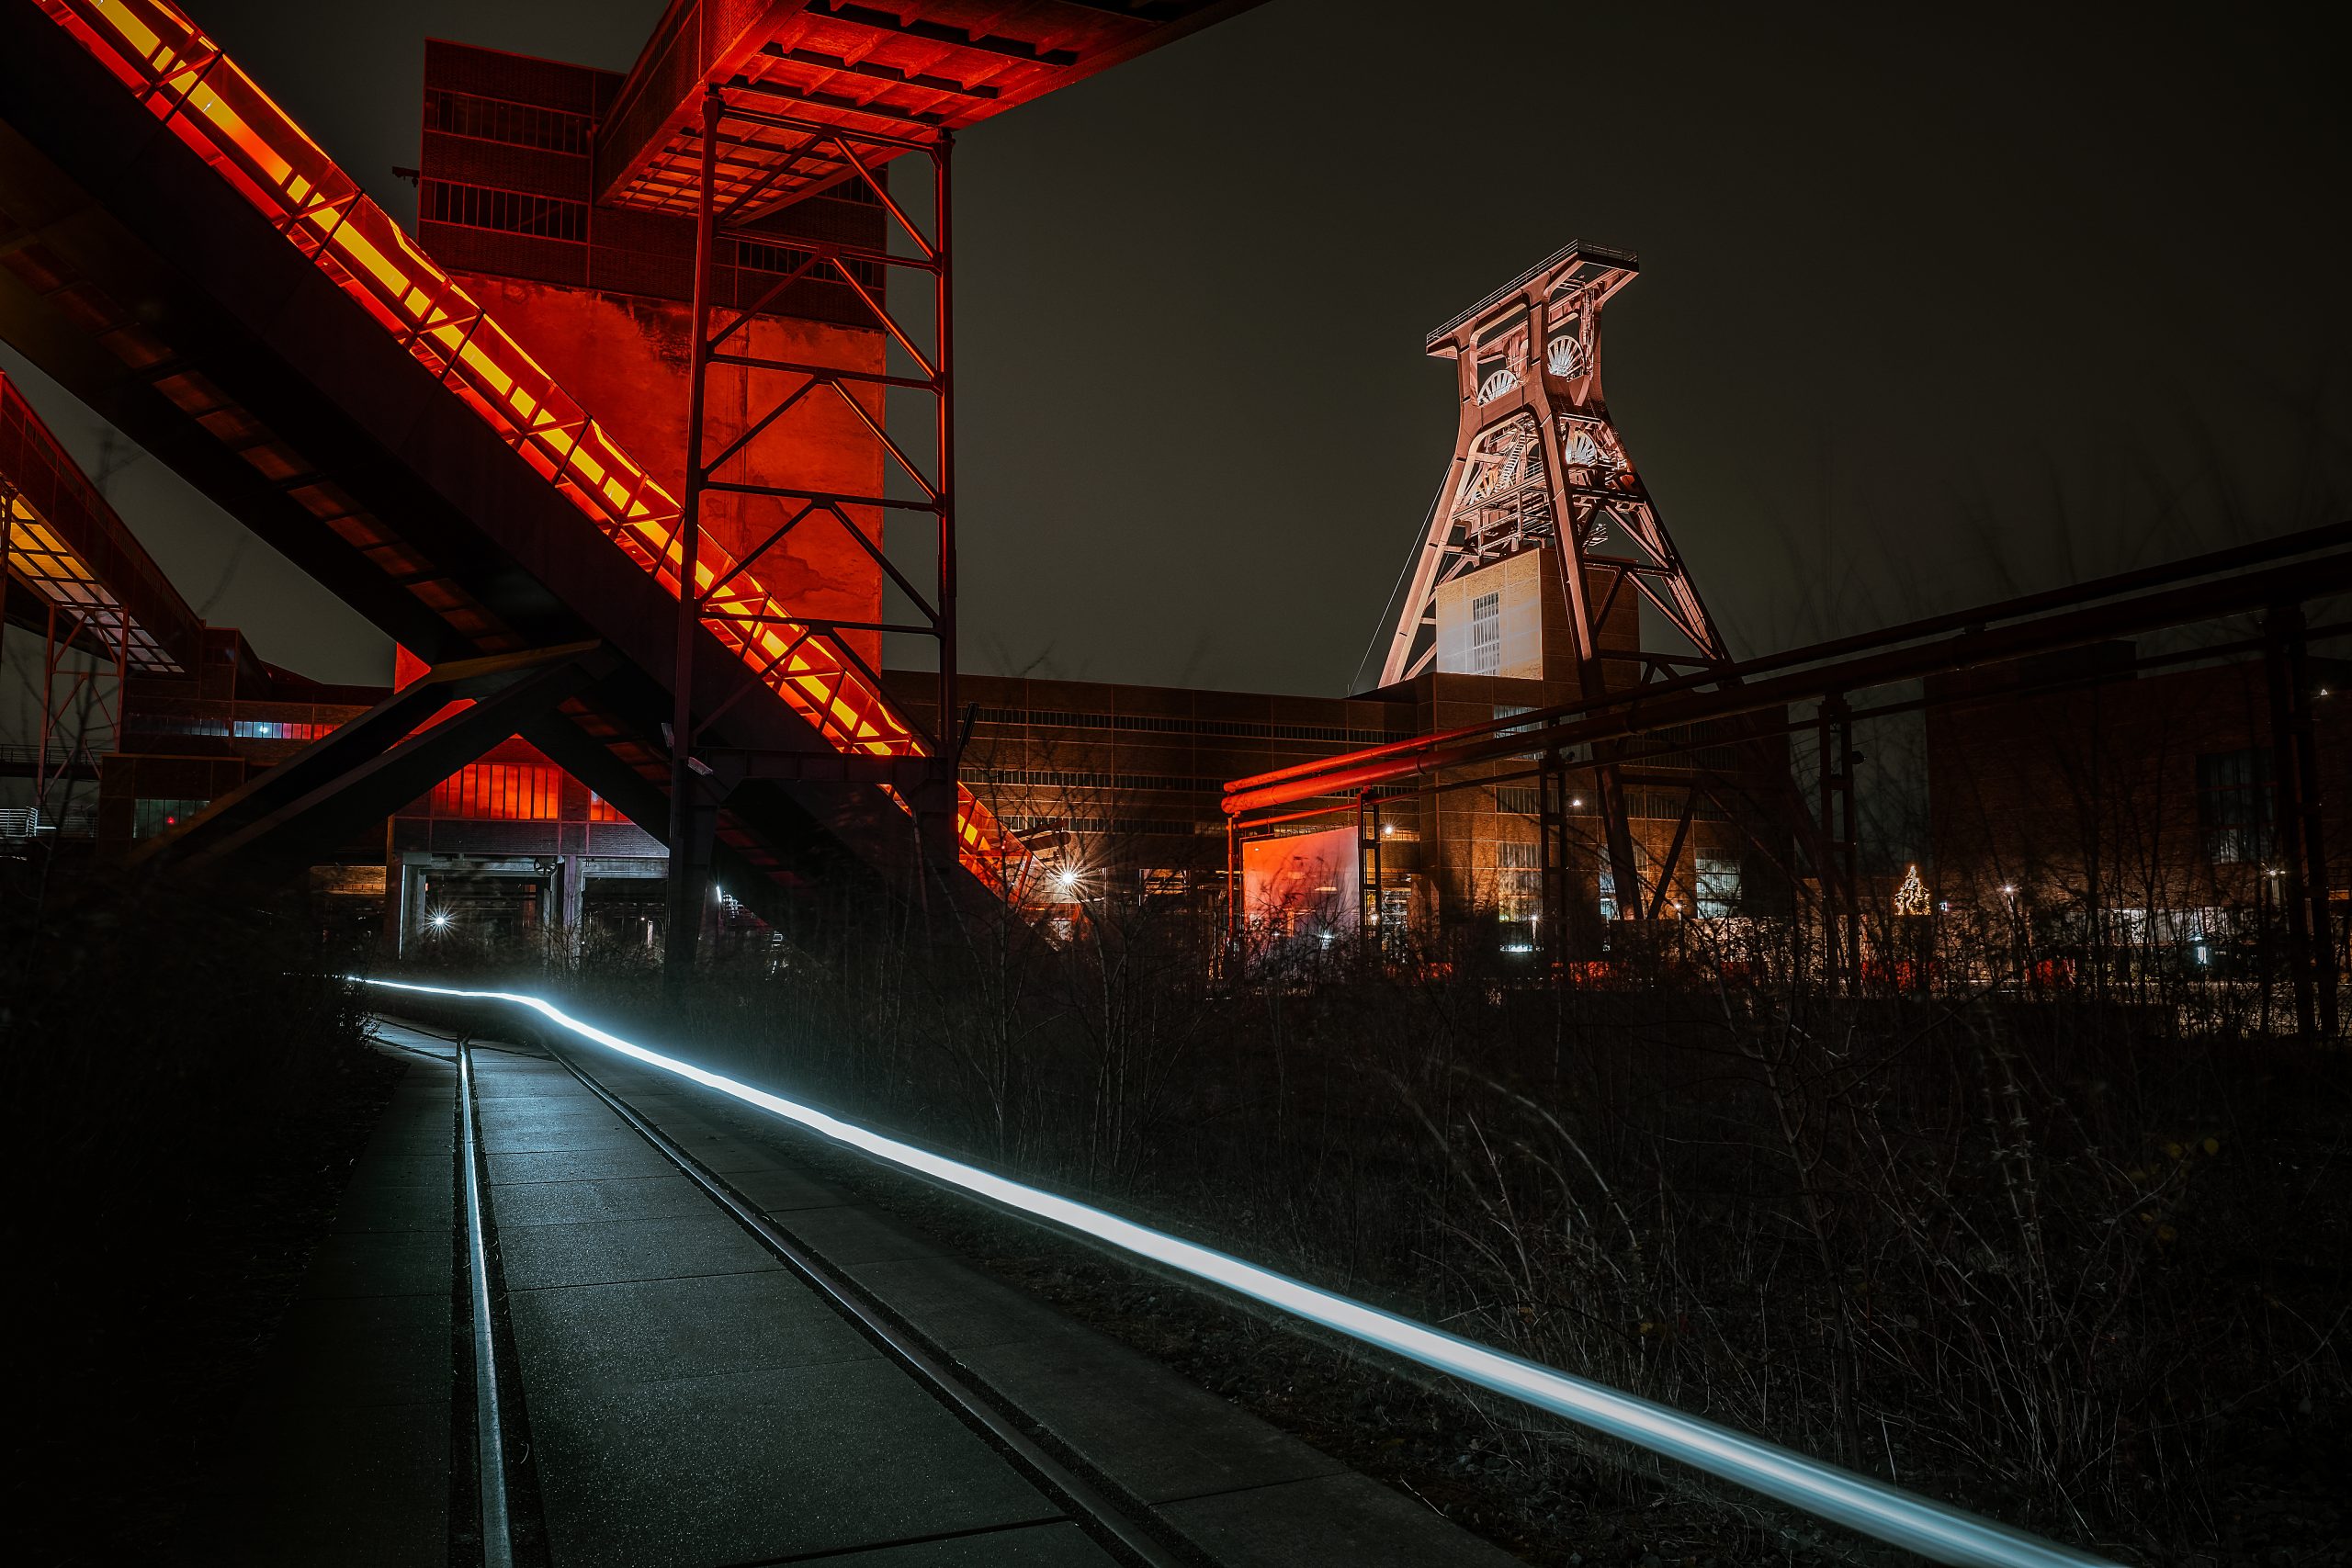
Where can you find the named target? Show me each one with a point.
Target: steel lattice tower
(1538, 464)
(1537, 446)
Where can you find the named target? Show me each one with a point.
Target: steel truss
(1538, 463)
(86, 659)
(800, 157)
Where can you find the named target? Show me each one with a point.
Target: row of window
(553, 218)
(148, 817)
(780, 258)
(516, 125)
(1659, 804)
(454, 113)
(507, 211)
(241, 729)
(1109, 825)
(1063, 779)
(1156, 724)
(1714, 891)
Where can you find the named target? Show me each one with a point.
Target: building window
(494, 120)
(2233, 807)
(1524, 799)
(1513, 710)
(1609, 880)
(1487, 633)
(1718, 886)
(508, 211)
(1519, 881)
(278, 730)
(501, 791)
(148, 817)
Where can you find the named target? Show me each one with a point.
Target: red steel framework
(190, 85)
(103, 609)
(1538, 461)
(757, 156)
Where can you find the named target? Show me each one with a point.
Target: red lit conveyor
(177, 252)
(71, 559)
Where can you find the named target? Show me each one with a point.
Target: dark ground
(187, 1102)
(1435, 1442)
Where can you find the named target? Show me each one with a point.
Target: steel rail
(490, 1430)
(1860, 1503)
(1082, 1499)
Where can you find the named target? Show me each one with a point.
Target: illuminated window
(603, 810)
(1519, 881)
(278, 730)
(1487, 633)
(502, 792)
(2233, 807)
(1718, 886)
(148, 817)
(1513, 710)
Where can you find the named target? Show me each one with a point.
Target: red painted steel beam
(63, 539)
(934, 65)
(2148, 606)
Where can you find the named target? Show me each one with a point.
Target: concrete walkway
(1236, 1490)
(687, 1399)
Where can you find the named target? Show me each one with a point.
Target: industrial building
(2133, 797)
(606, 446)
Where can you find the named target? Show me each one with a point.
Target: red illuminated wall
(625, 357)
(600, 293)
(1305, 883)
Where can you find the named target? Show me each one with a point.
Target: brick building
(2063, 786)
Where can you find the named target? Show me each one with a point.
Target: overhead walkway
(176, 251)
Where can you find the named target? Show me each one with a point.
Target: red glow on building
(502, 792)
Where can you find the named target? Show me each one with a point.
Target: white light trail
(1917, 1524)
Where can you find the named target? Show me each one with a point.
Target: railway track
(505, 1522)
(668, 1345)
(667, 1342)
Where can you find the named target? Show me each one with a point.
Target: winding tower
(1539, 463)
(1538, 469)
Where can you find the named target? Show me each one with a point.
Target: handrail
(204, 99)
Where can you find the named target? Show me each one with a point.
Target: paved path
(687, 1399)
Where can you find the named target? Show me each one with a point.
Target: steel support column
(1555, 893)
(689, 848)
(1836, 857)
(2301, 850)
(723, 343)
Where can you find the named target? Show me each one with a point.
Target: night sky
(1932, 310)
